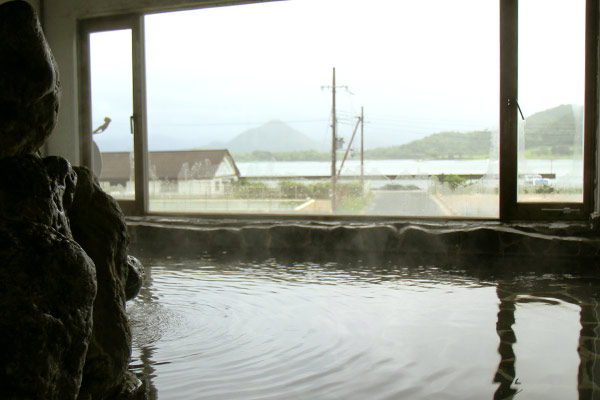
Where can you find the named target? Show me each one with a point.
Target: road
(412, 203)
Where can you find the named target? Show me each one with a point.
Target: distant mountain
(273, 136)
(554, 132)
(548, 134)
(443, 145)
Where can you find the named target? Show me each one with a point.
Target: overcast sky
(417, 67)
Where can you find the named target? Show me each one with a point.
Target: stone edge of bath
(555, 240)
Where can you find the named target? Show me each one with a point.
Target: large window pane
(112, 107)
(240, 108)
(551, 97)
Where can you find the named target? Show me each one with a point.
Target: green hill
(443, 145)
(548, 134)
(552, 133)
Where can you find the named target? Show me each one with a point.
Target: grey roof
(198, 164)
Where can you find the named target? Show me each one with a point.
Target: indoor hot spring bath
(337, 325)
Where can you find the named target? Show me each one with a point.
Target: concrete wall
(60, 22)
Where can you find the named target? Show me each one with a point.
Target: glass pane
(112, 106)
(240, 108)
(551, 96)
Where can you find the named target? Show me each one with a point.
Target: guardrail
(387, 176)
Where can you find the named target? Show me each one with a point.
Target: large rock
(47, 283)
(135, 277)
(37, 190)
(29, 86)
(98, 225)
(63, 243)
(63, 264)
(47, 289)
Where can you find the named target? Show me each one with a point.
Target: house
(193, 172)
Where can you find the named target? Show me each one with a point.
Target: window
(113, 107)
(111, 73)
(551, 95)
(548, 108)
(375, 108)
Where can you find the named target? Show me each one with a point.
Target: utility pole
(362, 150)
(333, 148)
(334, 143)
(339, 172)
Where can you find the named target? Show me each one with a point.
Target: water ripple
(304, 330)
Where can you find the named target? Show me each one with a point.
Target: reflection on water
(210, 329)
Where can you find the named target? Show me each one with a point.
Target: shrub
(293, 190)
(453, 181)
(252, 190)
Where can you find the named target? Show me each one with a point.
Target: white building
(193, 172)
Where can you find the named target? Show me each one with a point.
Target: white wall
(60, 32)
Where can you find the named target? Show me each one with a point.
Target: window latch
(518, 108)
(131, 124)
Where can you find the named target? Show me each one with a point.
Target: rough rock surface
(418, 240)
(98, 225)
(29, 85)
(47, 283)
(135, 277)
(63, 243)
(37, 190)
(63, 247)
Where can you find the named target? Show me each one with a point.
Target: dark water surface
(206, 328)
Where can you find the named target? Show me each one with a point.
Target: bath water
(206, 328)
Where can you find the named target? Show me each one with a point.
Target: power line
(233, 123)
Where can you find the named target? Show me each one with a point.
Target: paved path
(410, 203)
